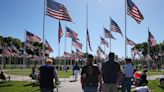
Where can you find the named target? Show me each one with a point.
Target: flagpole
(86, 27)
(65, 51)
(43, 47)
(71, 52)
(148, 52)
(104, 51)
(110, 38)
(125, 28)
(58, 50)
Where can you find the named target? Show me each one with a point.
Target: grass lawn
(18, 86)
(155, 72)
(27, 72)
(154, 85)
(23, 86)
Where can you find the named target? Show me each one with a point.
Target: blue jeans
(126, 85)
(90, 89)
(46, 90)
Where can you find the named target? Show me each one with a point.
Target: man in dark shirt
(46, 76)
(110, 73)
(90, 76)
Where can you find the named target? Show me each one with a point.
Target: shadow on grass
(32, 84)
(162, 87)
(5, 85)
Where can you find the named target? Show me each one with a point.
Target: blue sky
(18, 15)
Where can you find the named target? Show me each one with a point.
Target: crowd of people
(105, 77)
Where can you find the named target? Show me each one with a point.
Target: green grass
(27, 72)
(23, 86)
(154, 85)
(18, 86)
(155, 72)
(63, 74)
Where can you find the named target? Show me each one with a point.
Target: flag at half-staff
(57, 10)
(134, 12)
(130, 42)
(30, 37)
(48, 47)
(108, 34)
(60, 32)
(151, 39)
(77, 44)
(114, 27)
(105, 42)
(88, 40)
(71, 34)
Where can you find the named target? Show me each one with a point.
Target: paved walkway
(66, 85)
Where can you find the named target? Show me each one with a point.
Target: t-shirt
(46, 76)
(76, 67)
(90, 74)
(128, 70)
(110, 70)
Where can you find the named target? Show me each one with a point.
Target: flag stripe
(114, 27)
(134, 12)
(57, 10)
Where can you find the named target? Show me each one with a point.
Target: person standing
(128, 70)
(46, 75)
(76, 70)
(110, 73)
(90, 76)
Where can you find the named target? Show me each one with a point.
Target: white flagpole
(86, 28)
(58, 51)
(110, 41)
(71, 53)
(43, 46)
(65, 66)
(148, 50)
(125, 28)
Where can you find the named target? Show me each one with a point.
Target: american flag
(79, 53)
(48, 47)
(108, 34)
(151, 39)
(60, 32)
(114, 27)
(70, 33)
(134, 12)
(88, 40)
(66, 54)
(100, 50)
(105, 42)
(77, 44)
(31, 37)
(14, 49)
(135, 51)
(29, 45)
(130, 42)
(57, 10)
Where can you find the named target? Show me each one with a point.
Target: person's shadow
(5, 85)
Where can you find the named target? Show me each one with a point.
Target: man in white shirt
(128, 74)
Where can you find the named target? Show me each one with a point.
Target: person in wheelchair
(143, 79)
